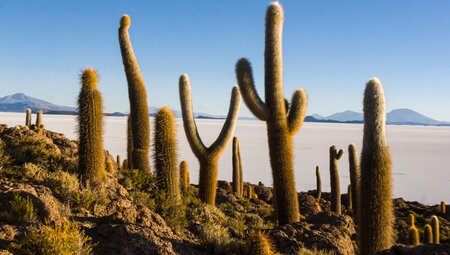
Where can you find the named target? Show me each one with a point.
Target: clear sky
(331, 48)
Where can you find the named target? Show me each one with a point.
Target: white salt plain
(421, 155)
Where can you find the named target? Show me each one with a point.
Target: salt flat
(420, 154)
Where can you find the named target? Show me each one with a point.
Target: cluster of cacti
(318, 185)
(435, 228)
(207, 156)
(335, 155)
(238, 180)
(443, 207)
(91, 158)
(427, 234)
(165, 153)
(249, 191)
(355, 176)
(282, 120)
(413, 232)
(28, 117)
(377, 214)
(261, 244)
(140, 119)
(184, 176)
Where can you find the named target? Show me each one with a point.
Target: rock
(324, 231)
(424, 249)
(225, 185)
(264, 193)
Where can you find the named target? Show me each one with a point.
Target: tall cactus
(28, 117)
(435, 228)
(129, 143)
(207, 156)
(335, 155)
(140, 119)
(377, 215)
(282, 121)
(318, 184)
(165, 153)
(184, 176)
(349, 196)
(91, 158)
(237, 168)
(355, 178)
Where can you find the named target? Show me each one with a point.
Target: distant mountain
(395, 117)
(318, 116)
(19, 102)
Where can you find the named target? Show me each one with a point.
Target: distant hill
(19, 102)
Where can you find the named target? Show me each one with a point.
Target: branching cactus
(355, 178)
(39, 124)
(427, 234)
(140, 119)
(335, 155)
(207, 156)
(28, 118)
(318, 185)
(91, 158)
(283, 121)
(435, 228)
(237, 170)
(184, 176)
(377, 214)
(165, 153)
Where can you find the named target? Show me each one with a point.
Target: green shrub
(314, 251)
(215, 238)
(134, 179)
(143, 198)
(21, 209)
(63, 184)
(64, 238)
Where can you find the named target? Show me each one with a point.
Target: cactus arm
(297, 111)
(227, 130)
(190, 127)
(246, 83)
(339, 154)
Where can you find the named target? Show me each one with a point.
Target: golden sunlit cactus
(443, 207)
(435, 228)
(118, 162)
(427, 234)
(335, 155)
(184, 176)
(39, 124)
(28, 118)
(261, 244)
(110, 167)
(413, 232)
(355, 178)
(165, 153)
(282, 120)
(318, 184)
(237, 170)
(207, 156)
(129, 143)
(91, 158)
(140, 119)
(377, 213)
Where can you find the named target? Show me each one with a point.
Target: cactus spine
(282, 120)
(207, 156)
(335, 155)
(184, 176)
(140, 119)
(28, 118)
(39, 124)
(413, 232)
(261, 245)
(443, 207)
(355, 178)
(435, 228)
(165, 153)
(376, 215)
(319, 184)
(427, 234)
(91, 158)
(237, 168)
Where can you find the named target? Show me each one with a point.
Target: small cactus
(443, 208)
(125, 164)
(318, 184)
(355, 179)
(377, 212)
(261, 244)
(165, 153)
(39, 124)
(118, 162)
(435, 228)
(283, 120)
(250, 191)
(110, 167)
(184, 176)
(207, 156)
(335, 155)
(349, 196)
(413, 232)
(91, 158)
(237, 170)
(28, 118)
(140, 119)
(427, 234)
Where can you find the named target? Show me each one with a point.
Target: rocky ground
(43, 205)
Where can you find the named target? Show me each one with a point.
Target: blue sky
(331, 48)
